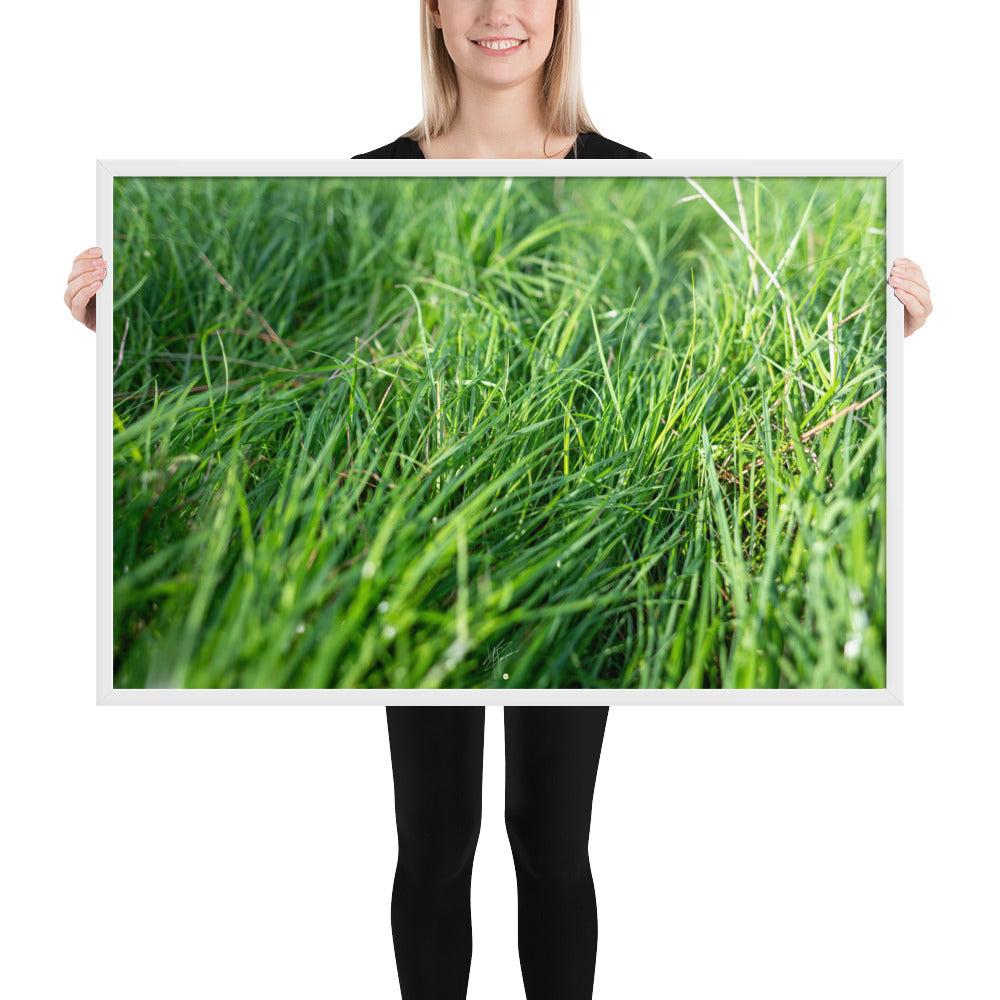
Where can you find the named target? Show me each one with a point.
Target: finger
(82, 281)
(92, 252)
(85, 265)
(910, 285)
(914, 306)
(918, 292)
(78, 303)
(908, 270)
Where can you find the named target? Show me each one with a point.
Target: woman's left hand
(911, 289)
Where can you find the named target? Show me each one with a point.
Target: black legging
(552, 755)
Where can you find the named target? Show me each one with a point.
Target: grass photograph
(499, 432)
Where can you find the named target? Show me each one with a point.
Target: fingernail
(94, 250)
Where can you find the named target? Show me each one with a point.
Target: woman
(501, 79)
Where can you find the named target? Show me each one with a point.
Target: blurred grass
(516, 432)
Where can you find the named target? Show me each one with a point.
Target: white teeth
(499, 45)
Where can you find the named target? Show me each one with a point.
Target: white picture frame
(890, 170)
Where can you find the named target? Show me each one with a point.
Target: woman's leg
(437, 770)
(552, 756)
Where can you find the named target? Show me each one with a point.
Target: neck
(499, 122)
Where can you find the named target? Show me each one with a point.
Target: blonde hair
(565, 112)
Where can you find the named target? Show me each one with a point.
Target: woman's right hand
(86, 276)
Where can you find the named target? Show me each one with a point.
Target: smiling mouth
(503, 45)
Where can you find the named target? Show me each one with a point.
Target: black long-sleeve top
(588, 146)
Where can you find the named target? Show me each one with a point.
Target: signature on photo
(495, 657)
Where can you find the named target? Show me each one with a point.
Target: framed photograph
(502, 432)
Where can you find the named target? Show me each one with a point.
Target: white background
(737, 852)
